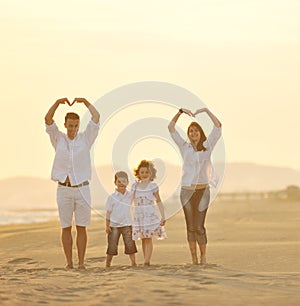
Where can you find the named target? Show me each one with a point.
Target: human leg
(108, 260)
(112, 247)
(82, 211)
(203, 198)
(65, 205)
(143, 247)
(186, 197)
(67, 242)
(200, 229)
(130, 247)
(148, 247)
(203, 254)
(193, 250)
(132, 259)
(81, 242)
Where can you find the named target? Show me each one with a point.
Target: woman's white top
(197, 166)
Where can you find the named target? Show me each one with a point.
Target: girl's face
(144, 173)
(194, 134)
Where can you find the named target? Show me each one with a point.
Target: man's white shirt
(72, 157)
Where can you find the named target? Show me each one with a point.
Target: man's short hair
(72, 116)
(121, 174)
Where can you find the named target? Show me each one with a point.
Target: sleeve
(213, 137)
(130, 194)
(53, 132)
(133, 187)
(178, 139)
(91, 132)
(109, 204)
(154, 187)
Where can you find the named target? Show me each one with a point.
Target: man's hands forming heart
(65, 100)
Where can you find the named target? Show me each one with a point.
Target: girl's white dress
(146, 221)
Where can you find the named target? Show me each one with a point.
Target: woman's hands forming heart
(190, 113)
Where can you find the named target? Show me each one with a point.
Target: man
(72, 170)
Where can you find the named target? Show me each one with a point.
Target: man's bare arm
(95, 114)
(53, 108)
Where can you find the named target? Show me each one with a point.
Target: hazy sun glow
(242, 58)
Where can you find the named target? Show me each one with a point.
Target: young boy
(118, 220)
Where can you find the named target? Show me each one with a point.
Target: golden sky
(242, 58)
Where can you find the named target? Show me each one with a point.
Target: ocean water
(37, 216)
(27, 217)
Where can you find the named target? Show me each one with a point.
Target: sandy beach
(253, 259)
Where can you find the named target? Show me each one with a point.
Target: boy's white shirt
(120, 207)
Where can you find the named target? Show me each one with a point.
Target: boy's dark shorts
(113, 240)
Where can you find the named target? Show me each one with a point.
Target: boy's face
(121, 184)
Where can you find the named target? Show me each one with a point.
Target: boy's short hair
(72, 116)
(121, 174)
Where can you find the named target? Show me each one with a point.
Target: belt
(195, 187)
(68, 184)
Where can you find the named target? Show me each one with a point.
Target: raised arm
(53, 108)
(95, 114)
(171, 125)
(213, 118)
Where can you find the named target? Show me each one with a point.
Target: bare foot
(194, 259)
(203, 260)
(69, 266)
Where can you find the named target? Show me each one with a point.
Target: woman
(196, 176)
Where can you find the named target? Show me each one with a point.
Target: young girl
(147, 223)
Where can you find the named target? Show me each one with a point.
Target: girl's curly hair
(147, 164)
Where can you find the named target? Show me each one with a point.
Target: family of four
(72, 172)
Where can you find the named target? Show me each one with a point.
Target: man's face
(72, 126)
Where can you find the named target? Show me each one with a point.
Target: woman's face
(194, 134)
(144, 173)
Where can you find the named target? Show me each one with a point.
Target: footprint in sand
(96, 259)
(237, 275)
(32, 270)
(21, 260)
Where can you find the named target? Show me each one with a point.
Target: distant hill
(39, 193)
(252, 177)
